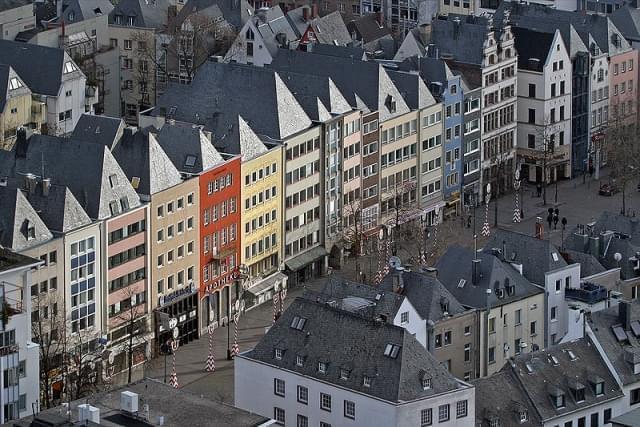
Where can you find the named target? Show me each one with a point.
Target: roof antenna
(475, 247)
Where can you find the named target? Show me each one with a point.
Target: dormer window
(426, 383)
(366, 381)
(71, 17)
(391, 350)
(344, 374)
(69, 67)
(598, 385)
(322, 367)
(299, 360)
(577, 389)
(494, 423)
(279, 353)
(298, 323)
(558, 398)
(249, 34)
(117, 19)
(390, 103)
(14, 83)
(524, 416)
(113, 180)
(131, 20)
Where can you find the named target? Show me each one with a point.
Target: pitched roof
(220, 92)
(82, 10)
(146, 14)
(272, 24)
(101, 130)
(12, 4)
(532, 44)
(500, 397)
(60, 210)
(328, 29)
(368, 28)
(627, 20)
(359, 348)
(188, 147)
(425, 293)
(617, 352)
(99, 185)
(413, 89)
(139, 155)
(462, 38)
(39, 67)
(537, 256)
(16, 217)
(235, 12)
(549, 377)
(589, 265)
(359, 81)
(455, 273)
(351, 52)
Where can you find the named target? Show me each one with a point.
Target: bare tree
(353, 235)
(623, 152)
(45, 330)
(133, 317)
(401, 199)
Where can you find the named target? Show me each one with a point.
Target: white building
(323, 365)
(19, 357)
(544, 106)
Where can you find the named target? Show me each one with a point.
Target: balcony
(588, 293)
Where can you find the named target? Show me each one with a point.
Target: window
(595, 418)
(492, 355)
(322, 367)
(532, 328)
(607, 415)
(554, 313)
(461, 409)
(278, 415)
(303, 394)
(302, 421)
(350, 409)
(278, 353)
(404, 317)
(128, 44)
(325, 402)
(532, 115)
(634, 397)
(366, 381)
(492, 325)
(443, 413)
(426, 417)
(467, 352)
(278, 387)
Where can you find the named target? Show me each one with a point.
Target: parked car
(608, 190)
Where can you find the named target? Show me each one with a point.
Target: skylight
(298, 323)
(190, 161)
(14, 83)
(572, 355)
(391, 350)
(461, 283)
(69, 67)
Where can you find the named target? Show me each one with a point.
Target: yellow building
(17, 107)
(261, 219)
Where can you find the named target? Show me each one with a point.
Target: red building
(219, 239)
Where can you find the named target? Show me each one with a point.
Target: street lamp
(564, 225)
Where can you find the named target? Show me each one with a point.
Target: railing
(589, 293)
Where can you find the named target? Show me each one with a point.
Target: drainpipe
(486, 335)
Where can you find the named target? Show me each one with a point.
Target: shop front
(181, 305)
(259, 291)
(307, 265)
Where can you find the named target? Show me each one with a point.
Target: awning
(306, 258)
(267, 283)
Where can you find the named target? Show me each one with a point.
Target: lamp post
(564, 225)
(238, 276)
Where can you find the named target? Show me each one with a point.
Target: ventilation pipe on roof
(46, 186)
(624, 314)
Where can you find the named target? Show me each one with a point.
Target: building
(164, 403)
(457, 7)
(370, 31)
(512, 315)
(54, 80)
(624, 19)
(15, 17)
(569, 384)
(485, 55)
(451, 331)
(18, 108)
(544, 106)
(542, 264)
(371, 373)
(19, 356)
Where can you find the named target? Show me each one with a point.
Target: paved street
(579, 202)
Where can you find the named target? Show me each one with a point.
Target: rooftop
(532, 45)
(376, 358)
(10, 260)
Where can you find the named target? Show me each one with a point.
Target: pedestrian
(539, 189)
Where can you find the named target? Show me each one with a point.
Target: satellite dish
(617, 256)
(394, 262)
(176, 333)
(173, 323)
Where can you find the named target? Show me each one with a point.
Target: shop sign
(167, 299)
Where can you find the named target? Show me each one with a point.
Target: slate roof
(269, 24)
(147, 14)
(359, 348)
(329, 29)
(368, 29)
(463, 40)
(90, 184)
(350, 52)
(425, 293)
(501, 397)
(220, 92)
(547, 376)
(39, 67)
(16, 216)
(365, 84)
(359, 298)
(101, 130)
(627, 20)
(139, 155)
(589, 265)
(532, 44)
(535, 255)
(235, 12)
(413, 89)
(12, 4)
(455, 265)
(83, 10)
(10, 260)
(601, 323)
(180, 140)
(60, 210)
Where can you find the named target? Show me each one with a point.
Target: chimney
(30, 182)
(594, 246)
(398, 285)
(624, 314)
(46, 186)
(380, 18)
(475, 272)
(425, 33)
(456, 28)
(431, 272)
(22, 143)
(314, 11)
(305, 13)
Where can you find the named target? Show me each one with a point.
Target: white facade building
(19, 356)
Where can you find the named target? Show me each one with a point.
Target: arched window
(507, 53)
(492, 59)
(250, 35)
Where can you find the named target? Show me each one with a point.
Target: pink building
(623, 77)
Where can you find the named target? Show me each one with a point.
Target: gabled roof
(101, 130)
(16, 217)
(139, 155)
(500, 397)
(364, 84)
(627, 20)
(39, 67)
(455, 273)
(180, 141)
(60, 210)
(548, 377)
(532, 44)
(235, 12)
(537, 256)
(425, 293)
(12, 4)
(359, 348)
(328, 29)
(146, 14)
(413, 89)
(411, 46)
(464, 38)
(99, 185)
(368, 29)
(272, 24)
(589, 265)
(220, 92)
(350, 52)
(82, 10)
(6, 74)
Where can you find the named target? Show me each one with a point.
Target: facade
(471, 155)
(16, 17)
(544, 106)
(55, 80)
(600, 104)
(292, 383)
(511, 309)
(19, 356)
